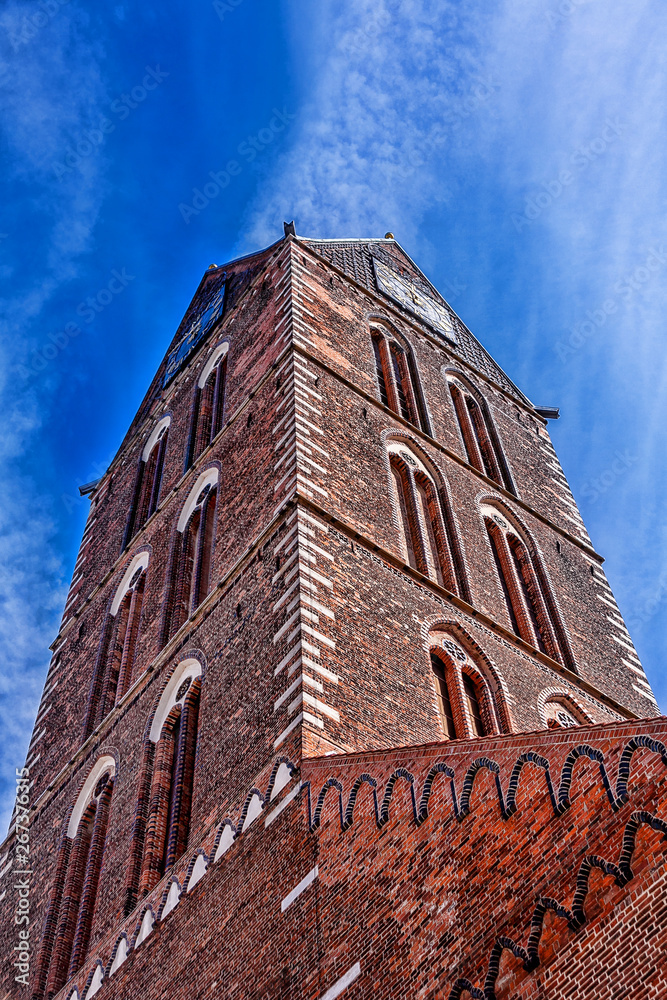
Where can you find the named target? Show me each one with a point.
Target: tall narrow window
(192, 558)
(379, 371)
(430, 538)
(468, 707)
(114, 672)
(72, 905)
(148, 482)
(472, 704)
(408, 519)
(479, 435)
(530, 606)
(397, 380)
(163, 814)
(444, 701)
(209, 405)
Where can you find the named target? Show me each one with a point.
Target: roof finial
(289, 228)
(389, 236)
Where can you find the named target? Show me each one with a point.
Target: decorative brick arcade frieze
(449, 772)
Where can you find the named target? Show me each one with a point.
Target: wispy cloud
(393, 137)
(52, 88)
(391, 90)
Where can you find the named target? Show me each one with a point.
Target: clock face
(197, 330)
(424, 306)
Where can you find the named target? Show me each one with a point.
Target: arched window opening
(114, 672)
(429, 535)
(472, 704)
(397, 380)
(444, 701)
(192, 558)
(379, 372)
(479, 435)
(466, 703)
(561, 713)
(539, 619)
(164, 810)
(531, 610)
(408, 520)
(209, 405)
(72, 905)
(148, 482)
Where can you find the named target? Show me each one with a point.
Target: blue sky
(513, 148)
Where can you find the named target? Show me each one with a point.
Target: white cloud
(390, 136)
(52, 89)
(387, 92)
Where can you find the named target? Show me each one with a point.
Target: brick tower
(341, 703)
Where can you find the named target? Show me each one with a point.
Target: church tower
(341, 703)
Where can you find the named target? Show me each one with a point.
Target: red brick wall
(420, 906)
(315, 639)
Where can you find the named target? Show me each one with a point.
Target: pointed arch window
(149, 480)
(473, 706)
(72, 904)
(467, 705)
(162, 821)
(209, 404)
(114, 672)
(428, 529)
(561, 712)
(192, 557)
(444, 699)
(531, 608)
(397, 379)
(479, 435)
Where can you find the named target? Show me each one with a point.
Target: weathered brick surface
(314, 640)
(420, 905)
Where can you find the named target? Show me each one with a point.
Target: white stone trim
(188, 668)
(207, 478)
(218, 353)
(146, 927)
(298, 889)
(155, 433)
(140, 561)
(120, 956)
(281, 805)
(105, 763)
(342, 983)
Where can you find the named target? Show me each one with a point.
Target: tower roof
(355, 257)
